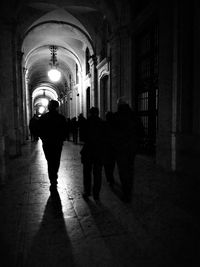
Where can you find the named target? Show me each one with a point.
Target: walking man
(52, 131)
(92, 154)
(125, 146)
(33, 127)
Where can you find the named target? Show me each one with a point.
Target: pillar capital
(93, 60)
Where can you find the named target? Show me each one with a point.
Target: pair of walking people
(53, 132)
(107, 143)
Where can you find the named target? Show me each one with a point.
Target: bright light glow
(54, 75)
(41, 109)
(44, 102)
(49, 92)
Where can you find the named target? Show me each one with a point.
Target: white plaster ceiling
(70, 25)
(61, 29)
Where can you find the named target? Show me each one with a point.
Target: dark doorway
(87, 100)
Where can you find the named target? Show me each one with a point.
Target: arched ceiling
(70, 25)
(61, 29)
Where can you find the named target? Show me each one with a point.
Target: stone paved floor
(159, 228)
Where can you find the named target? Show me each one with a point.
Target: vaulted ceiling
(70, 26)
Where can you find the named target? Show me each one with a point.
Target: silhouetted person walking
(125, 145)
(74, 128)
(92, 154)
(33, 127)
(52, 132)
(81, 126)
(68, 129)
(109, 158)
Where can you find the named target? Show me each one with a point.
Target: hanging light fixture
(53, 73)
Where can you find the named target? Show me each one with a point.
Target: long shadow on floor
(120, 243)
(51, 245)
(171, 238)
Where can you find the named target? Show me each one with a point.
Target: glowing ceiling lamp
(41, 109)
(44, 102)
(53, 73)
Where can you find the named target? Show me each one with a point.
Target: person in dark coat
(125, 146)
(92, 154)
(74, 129)
(68, 129)
(33, 127)
(109, 159)
(81, 126)
(52, 131)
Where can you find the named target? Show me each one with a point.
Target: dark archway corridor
(144, 50)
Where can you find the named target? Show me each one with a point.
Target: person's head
(53, 105)
(122, 104)
(122, 100)
(93, 112)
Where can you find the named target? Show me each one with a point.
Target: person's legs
(125, 163)
(109, 172)
(97, 175)
(53, 154)
(32, 137)
(87, 179)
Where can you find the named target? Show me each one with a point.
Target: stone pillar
(103, 71)
(196, 93)
(20, 101)
(26, 104)
(115, 69)
(167, 59)
(175, 140)
(7, 88)
(2, 148)
(17, 87)
(80, 91)
(120, 67)
(94, 89)
(188, 141)
(125, 63)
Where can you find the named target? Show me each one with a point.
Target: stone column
(188, 111)
(21, 102)
(120, 65)
(94, 89)
(7, 88)
(7, 130)
(16, 65)
(26, 104)
(125, 63)
(167, 86)
(2, 147)
(115, 69)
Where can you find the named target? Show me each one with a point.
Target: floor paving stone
(159, 228)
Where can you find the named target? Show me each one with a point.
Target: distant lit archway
(41, 97)
(45, 90)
